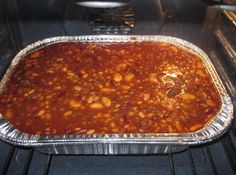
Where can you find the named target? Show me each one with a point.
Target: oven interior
(211, 25)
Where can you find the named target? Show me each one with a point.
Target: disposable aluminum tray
(120, 143)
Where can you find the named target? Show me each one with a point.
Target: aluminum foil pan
(121, 143)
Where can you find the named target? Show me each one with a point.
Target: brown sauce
(95, 88)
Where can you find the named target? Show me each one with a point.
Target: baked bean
(97, 88)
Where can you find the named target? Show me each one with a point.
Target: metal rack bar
(191, 162)
(47, 166)
(211, 160)
(28, 161)
(172, 168)
(230, 151)
(203, 153)
(8, 160)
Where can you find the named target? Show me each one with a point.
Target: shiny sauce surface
(97, 88)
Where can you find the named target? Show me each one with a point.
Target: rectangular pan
(120, 143)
